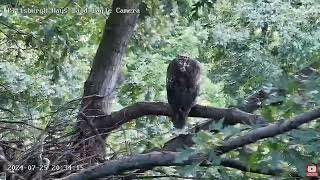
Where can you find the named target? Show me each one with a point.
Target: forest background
(261, 62)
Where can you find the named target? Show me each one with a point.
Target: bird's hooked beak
(183, 67)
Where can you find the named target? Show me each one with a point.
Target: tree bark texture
(99, 88)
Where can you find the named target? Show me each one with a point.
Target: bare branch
(165, 158)
(269, 131)
(137, 110)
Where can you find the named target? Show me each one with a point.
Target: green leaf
(216, 125)
(213, 158)
(184, 155)
(203, 138)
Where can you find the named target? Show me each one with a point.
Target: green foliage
(44, 62)
(251, 43)
(185, 154)
(243, 46)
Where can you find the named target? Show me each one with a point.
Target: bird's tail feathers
(179, 120)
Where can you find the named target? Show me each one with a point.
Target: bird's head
(183, 63)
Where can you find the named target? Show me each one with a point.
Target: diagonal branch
(268, 131)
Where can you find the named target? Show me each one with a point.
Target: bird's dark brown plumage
(183, 76)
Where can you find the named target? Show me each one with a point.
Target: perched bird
(183, 78)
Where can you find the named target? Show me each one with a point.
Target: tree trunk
(99, 88)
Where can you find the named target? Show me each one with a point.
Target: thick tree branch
(152, 159)
(268, 131)
(107, 123)
(251, 104)
(113, 121)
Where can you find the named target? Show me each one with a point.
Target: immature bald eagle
(183, 76)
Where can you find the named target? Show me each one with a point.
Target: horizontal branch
(113, 121)
(152, 159)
